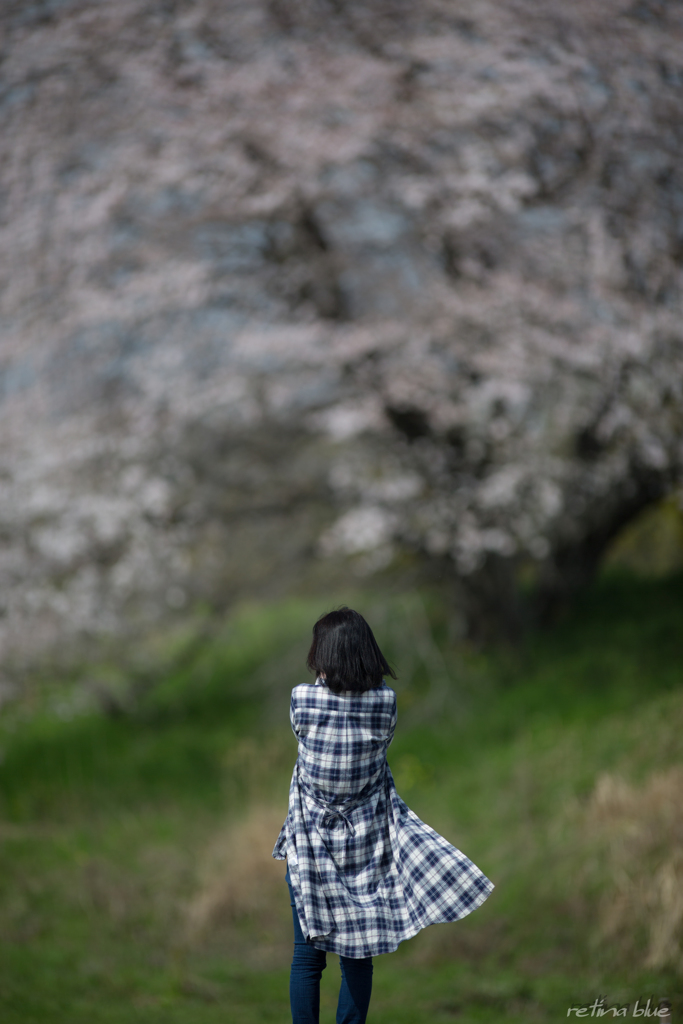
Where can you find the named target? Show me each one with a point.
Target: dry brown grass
(240, 888)
(640, 831)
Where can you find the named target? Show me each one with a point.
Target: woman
(364, 873)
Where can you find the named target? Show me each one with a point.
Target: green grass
(106, 823)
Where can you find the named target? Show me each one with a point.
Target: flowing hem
(380, 948)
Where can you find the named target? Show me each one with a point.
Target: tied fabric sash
(328, 813)
(332, 816)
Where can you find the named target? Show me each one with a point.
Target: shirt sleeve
(292, 717)
(392, 725)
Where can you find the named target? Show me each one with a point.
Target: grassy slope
(105, 823)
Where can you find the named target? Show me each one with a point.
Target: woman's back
(342, 738)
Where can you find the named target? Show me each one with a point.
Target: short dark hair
(345, 651)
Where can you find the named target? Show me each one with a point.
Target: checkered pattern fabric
(365, 871)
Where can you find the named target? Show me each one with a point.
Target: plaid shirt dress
(365, 871)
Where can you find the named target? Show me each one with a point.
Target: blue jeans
(304, 981)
